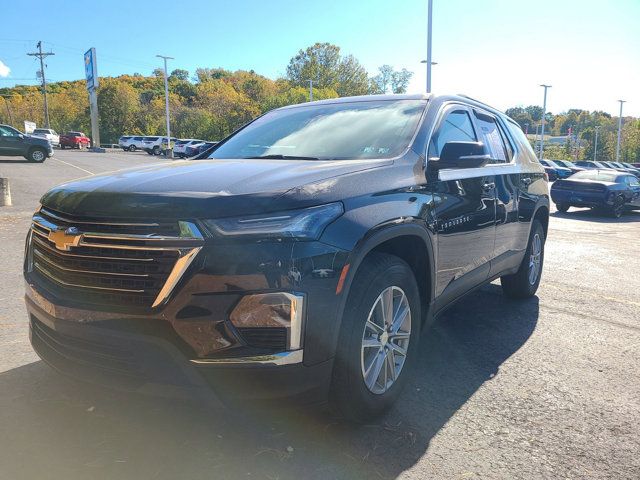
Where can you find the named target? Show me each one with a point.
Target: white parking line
(74, 166)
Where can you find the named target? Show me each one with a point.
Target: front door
(10, 141)
(465, 210)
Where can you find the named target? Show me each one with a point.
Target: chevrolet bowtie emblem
(65, 239)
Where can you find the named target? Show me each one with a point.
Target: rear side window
(137, 138)
(493, 138)
(455, 127)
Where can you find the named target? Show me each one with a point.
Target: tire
(350, 396)
(524, 283)
(132, 148)
(618, 208)
(562, 207)
(155, 150)
(62, 147)
(37, 155)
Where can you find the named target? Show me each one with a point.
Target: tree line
(210, 103)
(579, 126)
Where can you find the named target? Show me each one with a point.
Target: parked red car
(74, 140)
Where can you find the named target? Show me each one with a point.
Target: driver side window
(455, 127)
(7, 132)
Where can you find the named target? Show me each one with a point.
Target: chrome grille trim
(44, 249)
(57, 216)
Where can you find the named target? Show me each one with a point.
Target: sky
(497, 51)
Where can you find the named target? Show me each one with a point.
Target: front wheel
(524, 283)
(156, 150)
(378, 338)
(37, 155)
(132, 148)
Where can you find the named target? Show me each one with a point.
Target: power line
(42, 55)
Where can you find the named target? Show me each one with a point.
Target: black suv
(302, 258)
(15, 143)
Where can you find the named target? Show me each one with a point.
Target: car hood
(203, 188)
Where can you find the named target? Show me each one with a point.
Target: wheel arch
(410, 242)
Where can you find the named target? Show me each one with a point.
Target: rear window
(125, 138)
(40, 130)
(151, 139)
(597, 175)
(137, 138)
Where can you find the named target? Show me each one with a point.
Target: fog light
(272, 310)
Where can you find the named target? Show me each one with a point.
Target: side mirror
(460, 155)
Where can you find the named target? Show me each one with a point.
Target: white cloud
(4, 70)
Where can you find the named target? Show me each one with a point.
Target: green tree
(323, 64)
(179, 74)
(119, 106)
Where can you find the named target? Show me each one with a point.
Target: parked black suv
(302, 259)
(14, 143)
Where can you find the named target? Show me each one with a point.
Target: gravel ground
(545, 388)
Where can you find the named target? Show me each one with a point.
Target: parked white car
(180, 148)
(131, 143)
(49, 134)
(156, 145)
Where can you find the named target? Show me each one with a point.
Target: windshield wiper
(285, 157)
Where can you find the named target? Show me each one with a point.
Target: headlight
(304, 224)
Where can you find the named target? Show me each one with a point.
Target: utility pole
(166, 103)
(526, 128)
(429, 41)
(310, 90)
(619, 131)
(595, 146)
(41, 55)
(544, 112)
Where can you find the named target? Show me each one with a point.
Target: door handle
(488, 186)
(526, 181)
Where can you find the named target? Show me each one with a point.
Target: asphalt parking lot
(544, 388)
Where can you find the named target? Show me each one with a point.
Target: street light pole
(544, 112)
(310, 90)
(429, 41)
(595, 145)
(166, 103)
(619, 131)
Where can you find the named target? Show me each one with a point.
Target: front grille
(271, 338)
(118, 265)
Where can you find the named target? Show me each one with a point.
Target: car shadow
(589, 215)
(15, 160)
(56, 428)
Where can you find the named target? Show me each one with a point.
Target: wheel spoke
(397, 349)
(374, 326)
(373, 372)
(371, 343)
(400, 317)
(392, 364)
(387, 306)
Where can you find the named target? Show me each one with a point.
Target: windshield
(354, 130)
(599, 175)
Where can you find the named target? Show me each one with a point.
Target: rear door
(507, 177)
(464, 207)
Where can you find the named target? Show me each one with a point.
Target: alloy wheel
(385, 340)
(535, 259)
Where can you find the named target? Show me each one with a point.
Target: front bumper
(188, 343)
(148, 364)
